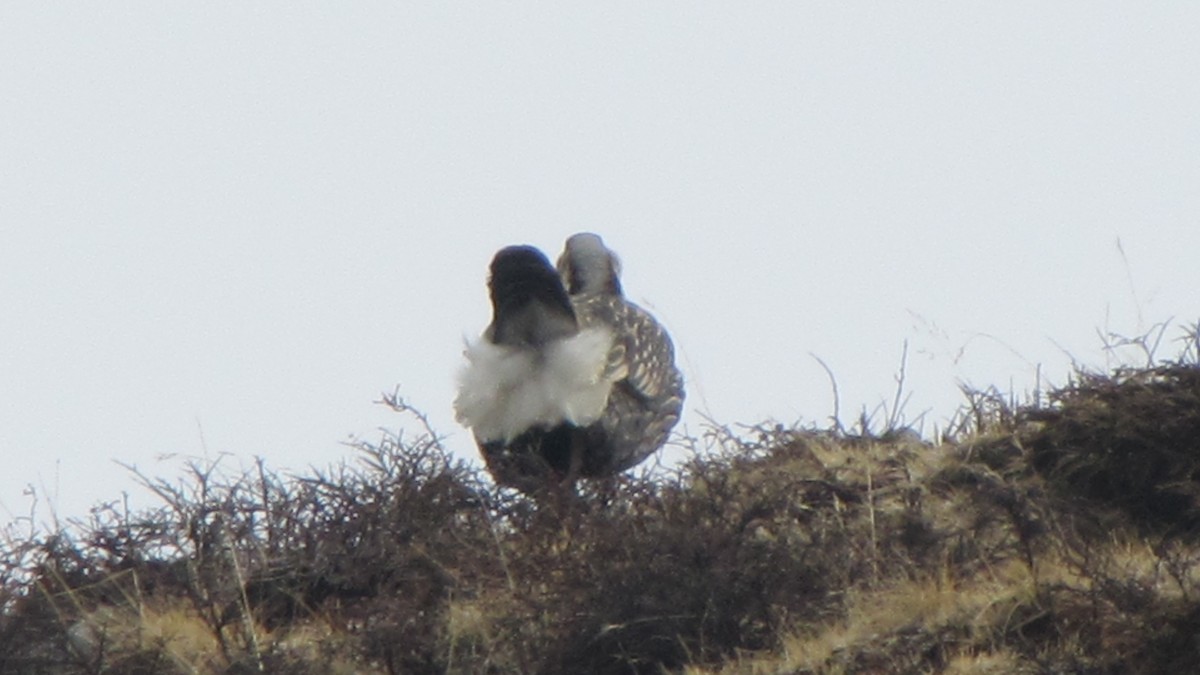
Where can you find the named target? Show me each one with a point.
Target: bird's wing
(642, 357)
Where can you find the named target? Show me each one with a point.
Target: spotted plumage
(570, 380)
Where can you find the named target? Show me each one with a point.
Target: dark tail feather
(529, 304)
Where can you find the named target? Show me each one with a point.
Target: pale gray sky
(227, 227)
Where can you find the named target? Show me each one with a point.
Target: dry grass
(1012, 547)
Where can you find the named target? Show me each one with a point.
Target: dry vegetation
(1061, 537)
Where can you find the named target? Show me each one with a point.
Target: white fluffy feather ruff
(505, 390)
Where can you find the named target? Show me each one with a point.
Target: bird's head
(588, 266)
(529, 304)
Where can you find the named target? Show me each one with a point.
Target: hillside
(1061, 536)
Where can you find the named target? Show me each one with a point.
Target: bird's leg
(575, 463)
(568, 503)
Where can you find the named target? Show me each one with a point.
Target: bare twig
(837, 415)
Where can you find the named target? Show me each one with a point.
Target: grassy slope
(1043, 540)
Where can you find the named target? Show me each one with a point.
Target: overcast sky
(228, 227)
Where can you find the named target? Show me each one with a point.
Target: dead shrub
(1130, 441)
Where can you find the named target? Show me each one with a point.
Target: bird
(646, 403)
(570, 380)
